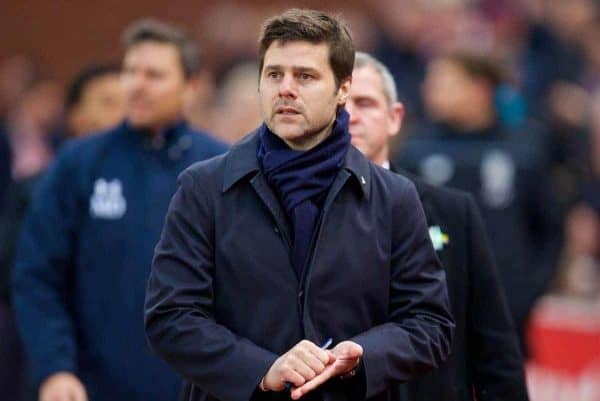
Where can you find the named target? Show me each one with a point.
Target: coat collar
(242, 161)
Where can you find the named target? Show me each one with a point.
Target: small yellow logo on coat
(438, 238)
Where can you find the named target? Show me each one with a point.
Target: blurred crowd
(502, 99)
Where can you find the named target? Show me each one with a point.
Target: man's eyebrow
(294, 67)
(305, 69)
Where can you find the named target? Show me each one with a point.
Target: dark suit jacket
(485, 362)
(223, 301)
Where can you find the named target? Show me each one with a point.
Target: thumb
(350, 350)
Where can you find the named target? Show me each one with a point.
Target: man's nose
(288, 87)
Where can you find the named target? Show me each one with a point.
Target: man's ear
(396, 117)
(343, 91)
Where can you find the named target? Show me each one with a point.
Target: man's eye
(305, 77)
(273, 74)
(155, 74)
(364, 102)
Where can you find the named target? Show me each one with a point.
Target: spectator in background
(95, 100)
(87, 241)
(238, 100)
(553, 50)
(465, 145)
(579, 274)
(17, 74)
(32, 127)
(485, 361)
(5, 162)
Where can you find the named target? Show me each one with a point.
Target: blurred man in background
(95, 100)
(485, 361)
(238, 100)
(466, 145)
(87, 241)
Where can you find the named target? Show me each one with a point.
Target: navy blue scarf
(302, 179)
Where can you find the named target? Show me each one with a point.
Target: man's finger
(302, 368)
(312, 361)
(311, 384)
(291, 376)
(326, 357)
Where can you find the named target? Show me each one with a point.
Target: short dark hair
(81, 81)
(478, 65)
(315, 27)
(151, 30)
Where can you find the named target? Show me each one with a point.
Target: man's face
(373, 121)
(298, 96)
(102, 105)
(446, 90)
(154, 84)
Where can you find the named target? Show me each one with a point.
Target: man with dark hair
(95, 100)
(86, 245)
(467, 145)
(485, 361)
(154, 31)
(293, 242)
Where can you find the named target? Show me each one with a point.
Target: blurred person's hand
(62, 386)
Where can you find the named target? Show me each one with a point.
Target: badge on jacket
(107, 201)
(438, 238)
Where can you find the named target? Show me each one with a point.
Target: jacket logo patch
(107, 201)
(438, 238)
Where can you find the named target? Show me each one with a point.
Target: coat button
(300, 294)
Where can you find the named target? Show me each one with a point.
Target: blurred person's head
(594, 133)
(579, 272)
(404, 28)
(591, 45)
(238, 100)
(95, 100)
(35, 119)
(159, 67)
(375, 113)
(16, 76)
(459, 90)
(568, 18)
(306, 61)
(41, 107)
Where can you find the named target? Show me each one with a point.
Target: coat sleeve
(40, 276)
(179, 313)
(496, 363)
(418, 333)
